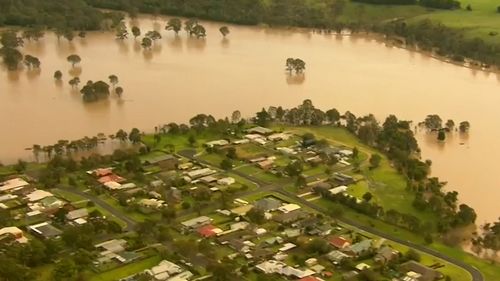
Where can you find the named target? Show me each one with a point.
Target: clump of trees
(10, 54)
(94, 91)
(295, 64)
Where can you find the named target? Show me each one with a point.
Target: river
(183, 76)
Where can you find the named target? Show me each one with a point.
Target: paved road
(120, 215)
(264, 186)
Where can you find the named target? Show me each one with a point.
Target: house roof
(196, 221)
(12, 184)
(45, 229)
(309, 278)
(76, 214)
(427, 273)
(38, 195)
(111, 177)
(339, 242)
(207, 231)
(260, 130)
(360, 247)
(267, 204)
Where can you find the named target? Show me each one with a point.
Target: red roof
(103, 172)
(339, 242)
(111, 177)
(207, 231)
(309, 278)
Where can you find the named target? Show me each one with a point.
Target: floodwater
(182, 76)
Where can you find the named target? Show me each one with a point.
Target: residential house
(385, 254)
(12, 185)
(420, 271)
(339, 242)
(166, 162)
(165, 270)
(226, 181)
(77, 214)
(267, 204)
(216, 143)
(13, 232)
(359, 248)
(196, 223)
(45, 230)
(38, 195)
(337, 256)
(338, 189)
(350, 276)
(208, 230)
(266, 164)
(278, 137)
(289, 208)
(342, 179)
(290, 217)
(115, 250)
(199, 173)
(260, 130)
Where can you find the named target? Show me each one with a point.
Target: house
(260, 141)
(338, 189)
(38, 195)
(278, 137)
(260, 130)
(111, 177)
(316, 160)
(196, 222)
(337, 256)
(342, 179)
(166, 161)
(242, 210)
(287, 218)
(351, 275)
(266, 164)
(311, 278)
(267, 204)
(339, 242)
(46, 204)
(385, 255)
(115, 250)
(362, 266)
(112, 185)
(242, 141)
(420, 271)
(208, 231)
(164, 270)
(45, 230)
(345, 153)
(200, 173)
(216, 143)
(292, 232)
(14, 232)
(77, 214)
(101, 172)
(13, 184)
(152, 203)
(111, 246)
(208, 179)
(359, 248)
(289, 208)
(286, 150)
(226, 181)
(156, 183)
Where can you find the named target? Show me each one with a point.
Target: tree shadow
(147, 55)
(33, 73)
(123, 47)
(196, 43)
(225, 42)
(175, 43)
(295, 79)
(75, 71)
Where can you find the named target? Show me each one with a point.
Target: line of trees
(438, 4)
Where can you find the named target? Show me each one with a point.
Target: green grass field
(127, 270)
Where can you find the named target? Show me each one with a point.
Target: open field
(127, 270)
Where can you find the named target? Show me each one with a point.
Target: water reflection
(295, 79)
(75, 71)
(13, 76)
(224, 42)
(194, 43)
(175, 43)
(147, 55)
(33, 73)
(123, 46)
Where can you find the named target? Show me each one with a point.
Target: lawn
(479, 22)
(127, 270)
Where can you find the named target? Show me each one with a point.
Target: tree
(119, 91)
(294, 168)
(236, 116)
(134, 136)
(74, 59)
(65, 270)
(121, 32)
(189, 25)
(375, 160)
(58, 75)
(191, 140)
(464, 126)
(450, 125)
(136, 31)
(441, 135)
(199, 31)
(113, 79)
(34, 33)
(20, 166)
(174, 24)
(412, 255)
(68, 34)
(367, 196)
(9, 39)
(11, 57)
(289, 64)
(355, 153)
(82, 34)
(146, 43)
(333, 115)
(224, 30)
(256, 216)
(121, 135)
(468, 7)
(433, 122)
(153, 35)
(31, 61)
(74, 82)
(299, 65)
(226, 164)
(262, 118)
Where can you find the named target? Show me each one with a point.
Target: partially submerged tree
(74, 59)
(224, 30)
(174, 24)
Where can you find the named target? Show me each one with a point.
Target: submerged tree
(31, 61)
(119, 91)
(464, 126)
(189, 25)
(136, 31)
(95, 91)
(74, 59)
(58, 75)
(74, 82)
(34, 33)
(146, 43)
(174, 24)
(199, 31)
(441, 135)
(121, 31)
(295, 64)
(224, 30)
(11, 57)
(113, 79)
(153, 35)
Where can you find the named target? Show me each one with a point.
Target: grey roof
(428, 274)
(160, 158)
(76, 214)
(46, 230)
(267, 204)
